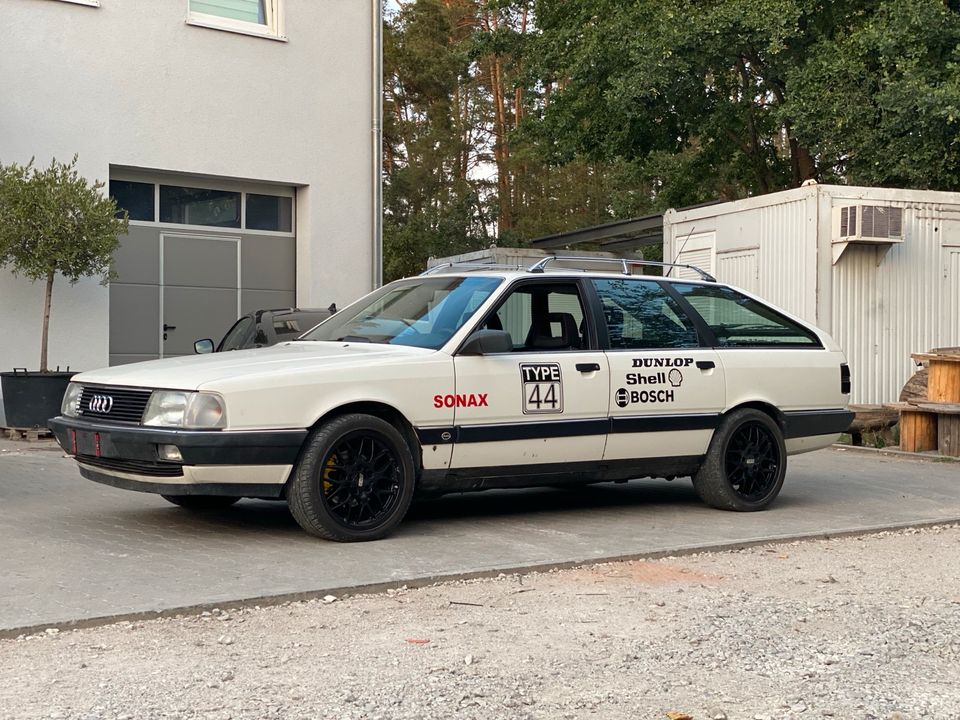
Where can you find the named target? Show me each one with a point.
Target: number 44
(541, 395)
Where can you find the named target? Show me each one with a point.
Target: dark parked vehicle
(261, 328)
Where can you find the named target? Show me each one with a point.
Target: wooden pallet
(27, 434)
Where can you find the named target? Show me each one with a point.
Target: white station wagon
(468, 379)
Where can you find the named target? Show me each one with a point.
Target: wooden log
(915, 388)
(949, 434)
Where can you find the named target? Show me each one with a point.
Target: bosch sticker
(542, 388)
(624, 397)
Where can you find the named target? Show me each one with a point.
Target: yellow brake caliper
(327, 471)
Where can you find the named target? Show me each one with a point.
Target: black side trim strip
(806, 423)
(436, 436)
(227, 489)
(531, 430)
(664, 423)
(537, 430)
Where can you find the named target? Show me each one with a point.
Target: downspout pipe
(377, 142)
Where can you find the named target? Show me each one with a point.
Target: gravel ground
(849, 628)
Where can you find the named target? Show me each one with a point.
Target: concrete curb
(425, 581)
(922, 457)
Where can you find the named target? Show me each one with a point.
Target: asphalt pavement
(72, 550)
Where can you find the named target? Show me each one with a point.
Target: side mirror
(488, 342)
(202, 347)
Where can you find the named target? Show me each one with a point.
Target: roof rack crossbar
(541, 265)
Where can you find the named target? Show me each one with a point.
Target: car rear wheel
(201, 503)
(745, 464)
(354, 481)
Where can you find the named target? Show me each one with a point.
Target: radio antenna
(680, 251)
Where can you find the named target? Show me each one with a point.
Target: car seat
(541, 335)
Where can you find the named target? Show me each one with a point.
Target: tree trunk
(801, 161)
(48, 296)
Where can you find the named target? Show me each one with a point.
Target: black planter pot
(30, 399)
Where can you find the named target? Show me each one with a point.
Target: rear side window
(740, 321)
(640, 315)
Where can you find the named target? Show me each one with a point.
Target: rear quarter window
(740, 321)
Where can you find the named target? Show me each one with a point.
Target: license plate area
(94, 444)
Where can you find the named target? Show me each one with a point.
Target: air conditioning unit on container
(877, 225)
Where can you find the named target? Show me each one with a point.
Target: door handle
(706, 364)
(588, 367)
(169, 327)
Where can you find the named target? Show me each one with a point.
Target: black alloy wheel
(354, 481)
(752, 461)
(745, 464)
(360, 480)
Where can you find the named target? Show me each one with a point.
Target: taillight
(845, 379)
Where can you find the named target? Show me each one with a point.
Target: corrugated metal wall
(787, 258)
(741, 269)
(886, 306)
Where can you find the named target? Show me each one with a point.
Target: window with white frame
(253, 17)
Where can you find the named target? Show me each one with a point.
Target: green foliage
(881, 102)
(54, 221)
(727, 98)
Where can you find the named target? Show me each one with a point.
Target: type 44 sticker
(542, 388)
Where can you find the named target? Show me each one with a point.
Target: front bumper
(215, 462)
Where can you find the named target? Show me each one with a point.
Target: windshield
(423, 312)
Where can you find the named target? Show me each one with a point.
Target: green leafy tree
(880, 103)
(53, 221)
(726, 98)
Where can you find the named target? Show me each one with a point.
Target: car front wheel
(745, 464)
(354, 481)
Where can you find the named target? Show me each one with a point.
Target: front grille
(135, 467)
(125, 405)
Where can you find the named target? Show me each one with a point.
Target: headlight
(71, 400)
(173, 408)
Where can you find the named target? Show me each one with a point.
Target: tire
(201, 503)
(745, 464)
(331, 494)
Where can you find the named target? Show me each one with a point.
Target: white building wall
(131, 84)
(880, 305)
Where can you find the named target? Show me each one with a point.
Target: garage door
(197, 255)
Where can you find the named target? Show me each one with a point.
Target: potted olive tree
(52, 222)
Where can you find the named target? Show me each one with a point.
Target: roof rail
(626, 263)
(472, 265)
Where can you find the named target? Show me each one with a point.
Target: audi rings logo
(102, 404)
